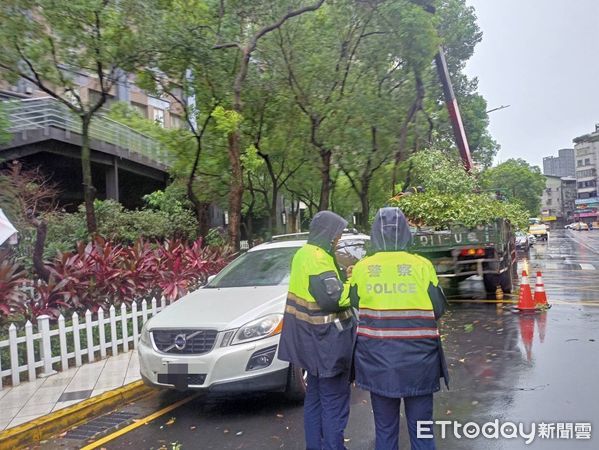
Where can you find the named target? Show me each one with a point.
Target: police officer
(398, 350)
(319, 332)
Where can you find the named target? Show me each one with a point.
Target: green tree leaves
(518, 181)
(227, 121)
(438, 172)
(444, 210)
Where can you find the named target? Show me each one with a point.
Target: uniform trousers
(326, 412)
(386, 421)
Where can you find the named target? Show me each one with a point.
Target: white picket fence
(25, 343)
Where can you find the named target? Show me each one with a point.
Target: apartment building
(165, 112)
(587, 158)
(560, 166)
(558, 200)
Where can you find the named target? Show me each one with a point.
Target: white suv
(224, 337)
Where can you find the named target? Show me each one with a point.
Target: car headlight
(144, 337)
(258, 329)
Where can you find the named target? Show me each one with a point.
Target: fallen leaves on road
(193, 427)
(280, 416)
(171, 421)
(239, 433)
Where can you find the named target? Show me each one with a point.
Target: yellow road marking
(139, 423)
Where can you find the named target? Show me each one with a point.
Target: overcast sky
(542, 58)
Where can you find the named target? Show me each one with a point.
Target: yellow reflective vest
(398, 350)
(318, 341)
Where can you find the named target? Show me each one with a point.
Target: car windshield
(269, 267)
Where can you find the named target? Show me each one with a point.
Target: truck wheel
(296, 384)
(505, 280)
(491, 280)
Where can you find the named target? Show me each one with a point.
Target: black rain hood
(325, 227)
(390, 231)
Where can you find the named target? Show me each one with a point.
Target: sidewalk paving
(31, 400)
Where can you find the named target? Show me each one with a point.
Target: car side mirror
(210, 278)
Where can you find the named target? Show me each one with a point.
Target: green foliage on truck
(444, 211)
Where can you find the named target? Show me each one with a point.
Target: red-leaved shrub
(12, 277)
(101, 273)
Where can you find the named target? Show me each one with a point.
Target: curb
(39, 429)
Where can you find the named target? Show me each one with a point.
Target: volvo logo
(180, 341)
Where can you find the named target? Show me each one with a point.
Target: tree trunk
(292, 220)
(249, 228)
(200, 208)
(365, 202)
(236, 188)
(272, 222)
(403, 134)
(325, 172)
(203, 216)
(38, 251)
(89, 191)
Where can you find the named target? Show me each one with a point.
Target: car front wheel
(296, 384)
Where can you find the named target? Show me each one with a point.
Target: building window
(586, 173)
(176, 121)
(95, 96)
(159, 116)
(579, 163)
(548, 201)
(142, 109)
(587, 161)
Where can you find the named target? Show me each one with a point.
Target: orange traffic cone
(527, 332)
(525, 302)
(540, 295)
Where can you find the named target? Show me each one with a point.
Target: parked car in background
(570, 226)
(224, 337)
(531, 239)
(522, 241)
(539, 231)
(581, 226)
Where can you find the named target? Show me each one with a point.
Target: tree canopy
(518, 181)
(51, 44)
(286, 103)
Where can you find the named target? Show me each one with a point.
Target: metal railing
(46, 112)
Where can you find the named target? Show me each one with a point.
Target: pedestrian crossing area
(568, 265)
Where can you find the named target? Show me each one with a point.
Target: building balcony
(587, 189)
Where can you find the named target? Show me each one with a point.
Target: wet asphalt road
(532, 368)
